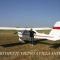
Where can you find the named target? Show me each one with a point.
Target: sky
(29, 13)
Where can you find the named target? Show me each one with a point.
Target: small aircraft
(23, 33)
(54, 34)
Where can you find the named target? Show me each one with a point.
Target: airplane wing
(14, 28)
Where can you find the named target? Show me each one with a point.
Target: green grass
(9, 43)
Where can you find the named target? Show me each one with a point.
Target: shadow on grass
(42, 41)
(11, 44)
(55, 45)
(26, 42)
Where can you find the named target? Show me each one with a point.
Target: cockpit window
(25, 32)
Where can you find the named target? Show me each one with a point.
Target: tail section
(55, 32)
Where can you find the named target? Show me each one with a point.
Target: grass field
(42, 50)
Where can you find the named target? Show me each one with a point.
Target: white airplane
(54, 34)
